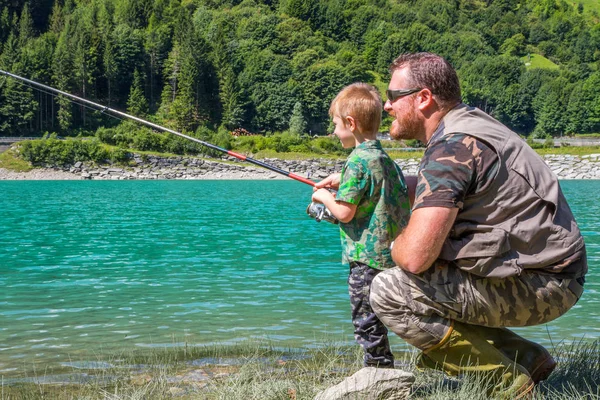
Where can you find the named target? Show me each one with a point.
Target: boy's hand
(321, 195)
(332, 181)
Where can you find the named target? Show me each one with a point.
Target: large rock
(371, 384)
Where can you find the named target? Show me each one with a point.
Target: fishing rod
(315, 210)
(105, 109)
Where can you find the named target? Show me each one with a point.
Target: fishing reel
(319, 212)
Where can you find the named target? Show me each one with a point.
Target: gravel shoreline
(190, 168)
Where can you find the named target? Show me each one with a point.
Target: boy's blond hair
(361, 102)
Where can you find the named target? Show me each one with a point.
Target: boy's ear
(350, 122)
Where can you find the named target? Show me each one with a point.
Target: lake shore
(191, 168)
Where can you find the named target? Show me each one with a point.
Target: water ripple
(101, 264)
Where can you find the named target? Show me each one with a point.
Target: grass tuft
(258, 370)
(11, 161)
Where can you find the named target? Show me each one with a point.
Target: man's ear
(350, 123)
(425, 100)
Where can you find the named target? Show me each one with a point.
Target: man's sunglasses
(395, 94)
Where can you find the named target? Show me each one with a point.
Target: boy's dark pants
(369, 331)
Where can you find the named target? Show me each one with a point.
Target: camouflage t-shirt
(452, 169)
(372, 180)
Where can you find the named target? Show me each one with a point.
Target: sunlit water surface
(99, 265)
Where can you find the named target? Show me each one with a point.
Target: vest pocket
(482, 244)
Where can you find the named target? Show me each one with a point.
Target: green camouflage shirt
(452, 169)
(372, 180)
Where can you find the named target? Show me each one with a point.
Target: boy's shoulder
(366, 150)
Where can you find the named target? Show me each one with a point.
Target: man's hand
(332, 181)
(420, 243)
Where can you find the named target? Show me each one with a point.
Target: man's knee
(387, 295)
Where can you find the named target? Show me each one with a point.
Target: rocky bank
(154, 167)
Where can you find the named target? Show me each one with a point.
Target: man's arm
(411, 184)
(420, 243)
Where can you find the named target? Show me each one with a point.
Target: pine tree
(61, 75)
(110, 69)
(137, 103)
(17, 108)
(297, 121)
(25, 27)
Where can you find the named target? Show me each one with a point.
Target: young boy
(372, 206)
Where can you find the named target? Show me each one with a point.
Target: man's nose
(387, 106)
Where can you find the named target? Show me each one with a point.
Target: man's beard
(406, 128)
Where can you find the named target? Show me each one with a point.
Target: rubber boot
(531, 356)
(465, 350)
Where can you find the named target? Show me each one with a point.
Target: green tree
(26, 31)
(417, 37)
(226, 60)
(157, 45)
(61, 75)
(514, 109)
(110, 69)
(583, 109)
(128, 53)
(36, 58)
(319, 85)
(305, 10)
(297, 121)
(486, 78)
(462, 47)
(137, 103)
(514, 46)
(85, 45)
(549, 107)
(17, 104)
(5, 25)
(17, 108)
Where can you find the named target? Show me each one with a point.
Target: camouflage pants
(369, 331)
(419, 308)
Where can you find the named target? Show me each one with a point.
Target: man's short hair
(428, 70)
(361, 102)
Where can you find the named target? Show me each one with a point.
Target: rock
(371, 384)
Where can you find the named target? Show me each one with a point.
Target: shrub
(62, 152)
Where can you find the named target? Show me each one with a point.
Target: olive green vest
(522, 220)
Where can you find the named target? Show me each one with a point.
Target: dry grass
(259, 371)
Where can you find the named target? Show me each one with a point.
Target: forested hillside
(275, 65)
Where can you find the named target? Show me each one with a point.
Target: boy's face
(343, 132)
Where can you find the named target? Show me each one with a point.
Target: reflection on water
(101, 265)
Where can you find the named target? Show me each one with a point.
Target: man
(491, 242)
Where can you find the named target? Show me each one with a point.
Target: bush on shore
(51, 150)
(116, 145)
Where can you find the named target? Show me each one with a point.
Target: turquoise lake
(101, 265)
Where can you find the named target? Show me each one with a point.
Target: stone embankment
(153, 167)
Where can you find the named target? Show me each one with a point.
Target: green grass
(570, 150)
(589, 6)
(260, 371)
(538, 61)
(294, 156)
(10, 160)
